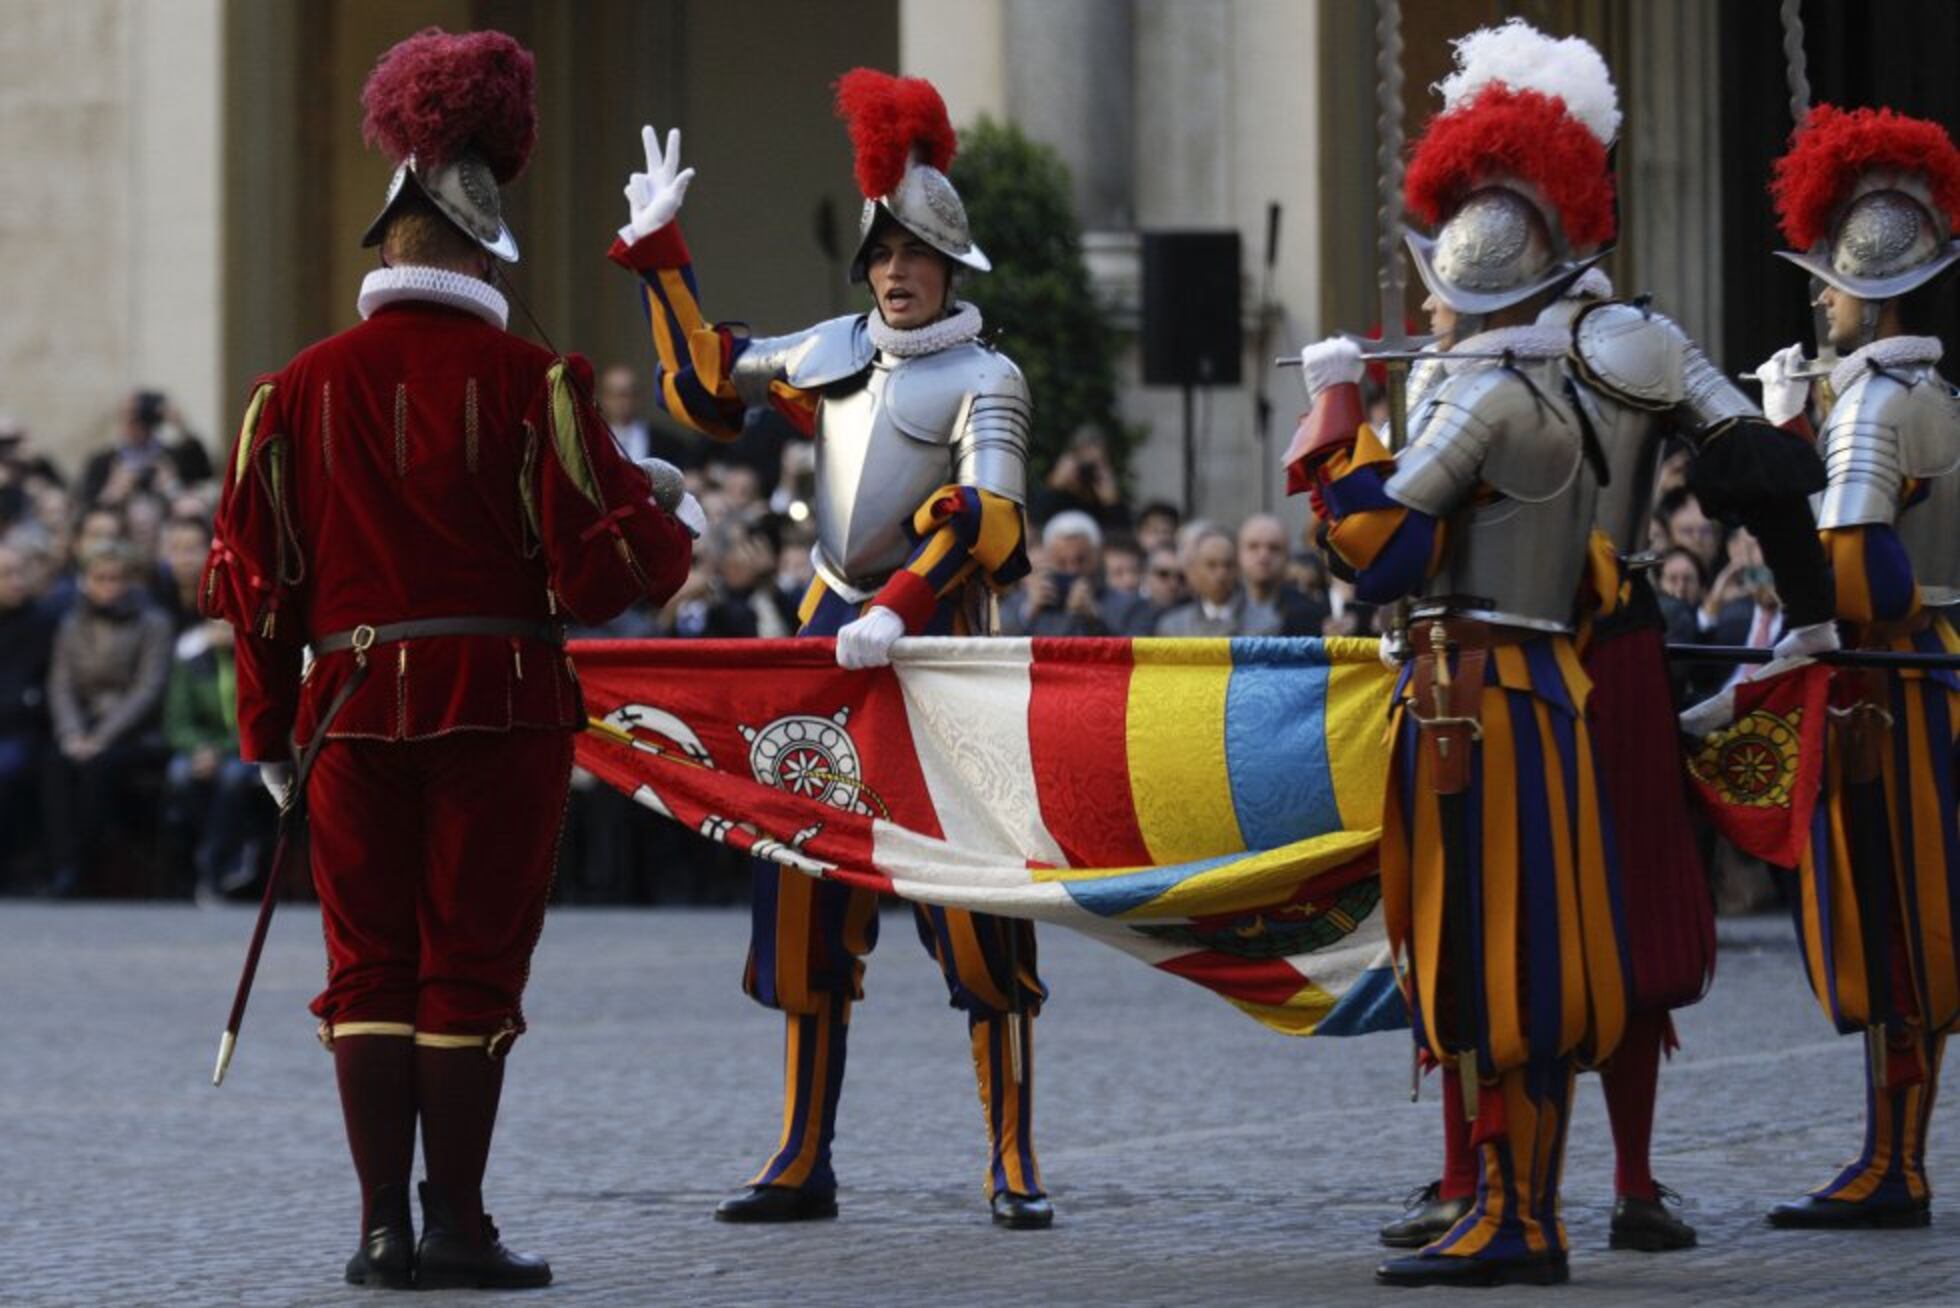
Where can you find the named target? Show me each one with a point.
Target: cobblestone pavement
(1194, 1157)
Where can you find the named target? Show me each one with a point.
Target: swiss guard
(1868, 198)
(1639, 383)
(416, 505)
(1498, 873)
(921, 433)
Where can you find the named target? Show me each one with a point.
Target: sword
(292, 831)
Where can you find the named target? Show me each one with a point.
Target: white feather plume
(1525, 59)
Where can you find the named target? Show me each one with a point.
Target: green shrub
(1038, 304)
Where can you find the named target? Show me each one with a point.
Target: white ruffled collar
(956, 328)
(1891, 352)
(1528, 341)
(454, 290)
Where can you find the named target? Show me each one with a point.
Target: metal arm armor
(990, 447)
(816, 356)
(1886, 427)
(1644, 359)
(1501, 427)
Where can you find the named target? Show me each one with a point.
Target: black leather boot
(1429, 1218)
(453, 1259)
(777, 1203)
(1416, 1270)
(386, 1258)
(1813, 1213)
(1645, 1225)
(1023, 1212)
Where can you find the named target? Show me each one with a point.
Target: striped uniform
(1878, 908)
(1538, 871)
(809, 938)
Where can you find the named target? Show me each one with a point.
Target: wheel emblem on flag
(813, 757)
(1754, 762)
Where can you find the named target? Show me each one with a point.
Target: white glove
(1711, 715)
(653, 197)
(867, 642)
(1804, 642)
(277, 778)
(1783, 395)
(688, 513)
(1329, 363)
(1385, 651)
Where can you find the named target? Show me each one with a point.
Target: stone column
(1670, 217)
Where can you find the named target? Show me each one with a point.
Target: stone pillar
(1671, 215)
(175, 179)
(1069, 78)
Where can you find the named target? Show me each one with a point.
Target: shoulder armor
(816, 356)
(975, 400)
(1886, 427)
(1633, 355)
(1502, 427)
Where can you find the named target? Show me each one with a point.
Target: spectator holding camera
(106, 679)
(1083, 481)
(152, 453)
(1065, 596)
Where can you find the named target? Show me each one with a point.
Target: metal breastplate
(1516, 550)
(882, 449)
(1880, 435)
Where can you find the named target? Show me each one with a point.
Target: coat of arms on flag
(1757, 772)
(1210, 806)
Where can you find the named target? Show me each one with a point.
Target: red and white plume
(1835, 147)
(893, 120)
(1527, 106)
(437, 95)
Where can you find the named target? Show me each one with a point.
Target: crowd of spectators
(119, 771)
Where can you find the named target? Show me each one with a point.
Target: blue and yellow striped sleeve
(693, 357)
(960, 531)
(1390, 547)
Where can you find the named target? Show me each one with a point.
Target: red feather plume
(437, 95)
(889, 119)
(1523, 134)
(1834, 146)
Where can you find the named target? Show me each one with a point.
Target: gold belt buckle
(363, 642)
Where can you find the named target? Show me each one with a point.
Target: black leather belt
(365, 637)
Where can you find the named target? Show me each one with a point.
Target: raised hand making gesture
(653, 197)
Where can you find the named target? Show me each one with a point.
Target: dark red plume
(1834, 146)
(437, 95)
(889, 118)
(1523, 134)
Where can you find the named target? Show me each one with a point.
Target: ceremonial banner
(1209, 806)
(1757, 773)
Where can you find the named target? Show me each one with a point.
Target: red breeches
(433, 861)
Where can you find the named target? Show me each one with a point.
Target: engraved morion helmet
(904, 143)
(459, 116)
(1869, 197)
(1514, 169)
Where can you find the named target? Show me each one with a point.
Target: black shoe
(386, 1258)
(1817, 1214)
(777, 1203)
(1429, 1218)
(1441, 1269)
(1646, 1225)
(449, 1259)
(1023, 1212)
